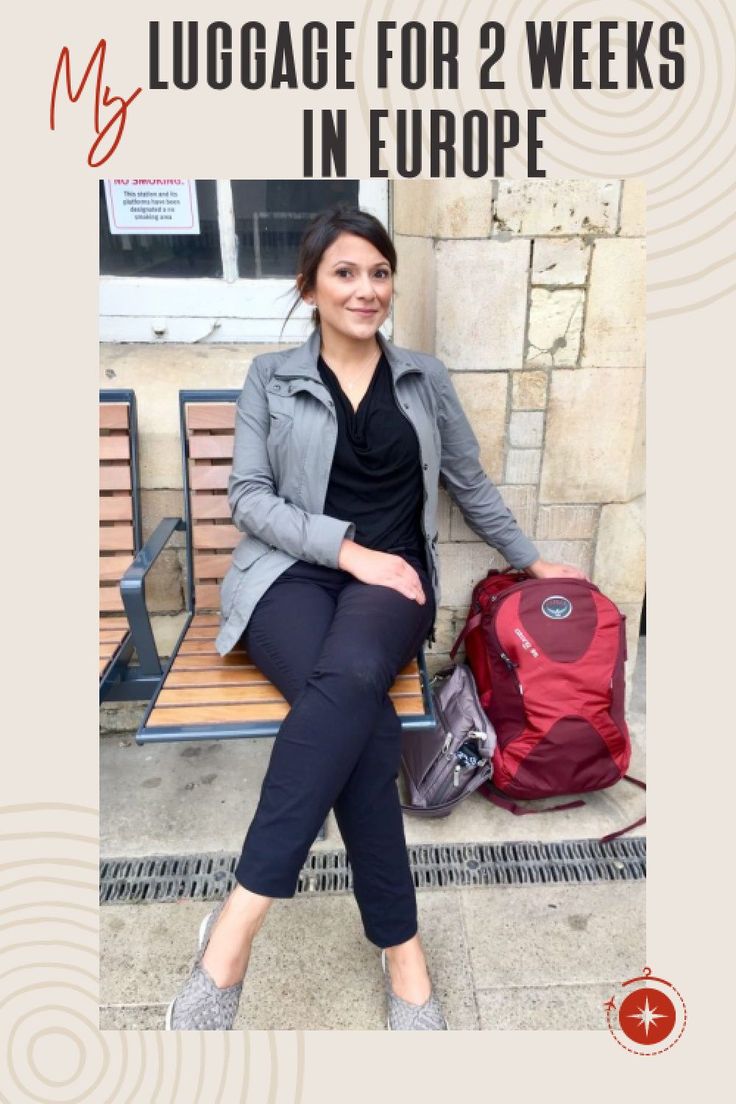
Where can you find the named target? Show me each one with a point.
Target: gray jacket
(285, 435)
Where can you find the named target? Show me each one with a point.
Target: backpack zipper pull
(446, 745)
(508, 661)
(456, 776)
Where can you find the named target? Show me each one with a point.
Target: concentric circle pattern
(679, 142)
(51, 1048)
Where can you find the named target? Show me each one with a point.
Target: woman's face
(353, 288)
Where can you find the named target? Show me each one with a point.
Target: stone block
(481, 303)
(577, 553)
(563, 207)
(526, 429)
(166, 630)
(637, 472)
(560, 261)
(620, 555)
(634, 209)
(157, 373)
(414, 295)
(522, 465)
(551, 932)
(121, 718)
(521, 501)
(458, 208)
(565, 1007)
(529, 390)
(461, 566)
(555, 325)
(592, 435)
(158, 503)
(615, 320)
(165, 583)
(566, 522)
(447, 625)
(632, 613)
(483, 398)
(444, 511)
(459, 529)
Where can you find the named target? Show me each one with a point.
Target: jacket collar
(302, 361)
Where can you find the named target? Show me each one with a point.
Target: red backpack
(548, 660)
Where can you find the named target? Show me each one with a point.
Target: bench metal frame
(132, 588)
(120, 681)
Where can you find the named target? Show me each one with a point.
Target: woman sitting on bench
(339, 447)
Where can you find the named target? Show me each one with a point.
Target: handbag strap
(471, 624)
(495, 797)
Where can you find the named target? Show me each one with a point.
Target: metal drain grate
(211, 876)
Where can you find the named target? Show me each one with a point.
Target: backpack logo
(556, 607)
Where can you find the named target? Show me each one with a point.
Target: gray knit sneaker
(200, 1004)
(404, 1016)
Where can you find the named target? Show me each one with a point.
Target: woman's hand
(381, 569)
(541, 569)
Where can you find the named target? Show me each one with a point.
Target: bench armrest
(133, 593)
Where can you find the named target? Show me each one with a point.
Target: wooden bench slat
(216, 714)
(200, 619)
(202, 632)
(232, 689)
(220, 415)
(211, 565)
(200, 647)
(113, 567)
(196, 662)
(113, 623)
(113, 415)
(242, 714)
(209, 477)
(210, 507)
(207, 596)
(116, 507)
(115, 446)
(116, 538)
(215, 676)
(215, 446)
(115, 477)
(220, 695)
(110, 599)
(210, 537)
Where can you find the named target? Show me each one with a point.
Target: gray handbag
(445, 764)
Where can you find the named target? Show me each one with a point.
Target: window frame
(224, 309)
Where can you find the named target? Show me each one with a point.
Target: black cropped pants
(333, 646)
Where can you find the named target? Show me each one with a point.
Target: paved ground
(528, 957)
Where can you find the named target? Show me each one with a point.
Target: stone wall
(533, 295)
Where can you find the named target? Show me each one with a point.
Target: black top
(376, 477)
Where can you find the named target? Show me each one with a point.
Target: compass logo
(649, 1017)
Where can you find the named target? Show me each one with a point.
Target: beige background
(50, 1048)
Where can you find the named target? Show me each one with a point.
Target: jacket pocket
(244, 556)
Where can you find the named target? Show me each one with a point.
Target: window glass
(270, 216)
(162, 255)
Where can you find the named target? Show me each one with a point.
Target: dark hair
(322, 231)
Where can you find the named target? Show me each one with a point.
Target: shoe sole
(200, 940)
